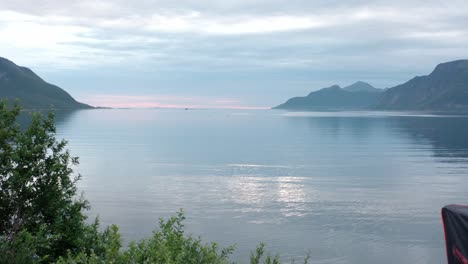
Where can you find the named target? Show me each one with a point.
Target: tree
(38, 194)
(42, 219)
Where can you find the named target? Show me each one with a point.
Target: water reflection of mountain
(61, 116)
(447, 135)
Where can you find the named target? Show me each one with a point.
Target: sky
(229, 53)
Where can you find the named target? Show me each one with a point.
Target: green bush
(168, 245)
(42, 218)
(38, 196)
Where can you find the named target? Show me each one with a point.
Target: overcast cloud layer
(227, 53)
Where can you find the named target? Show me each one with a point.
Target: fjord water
(349, 187)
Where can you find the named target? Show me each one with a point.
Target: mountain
(445, 89)
(361, 87)
(359, 95)
(21, 83)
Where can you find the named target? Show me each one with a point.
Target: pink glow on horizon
(164, 101)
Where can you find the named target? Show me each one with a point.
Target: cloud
(197, 33)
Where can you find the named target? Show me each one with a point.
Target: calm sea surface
(348, 187)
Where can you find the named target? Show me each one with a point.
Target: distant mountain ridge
(444, 89)
(21, 83)
(357, 96)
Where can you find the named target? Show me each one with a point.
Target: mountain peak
(336, 86)
(5, 60)
(331, 98)
(445, 89)
(458, 66)
(7, 67)
(361, 86)
(21, 83)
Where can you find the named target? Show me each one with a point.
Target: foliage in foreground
(39, 208)
(42, 219)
